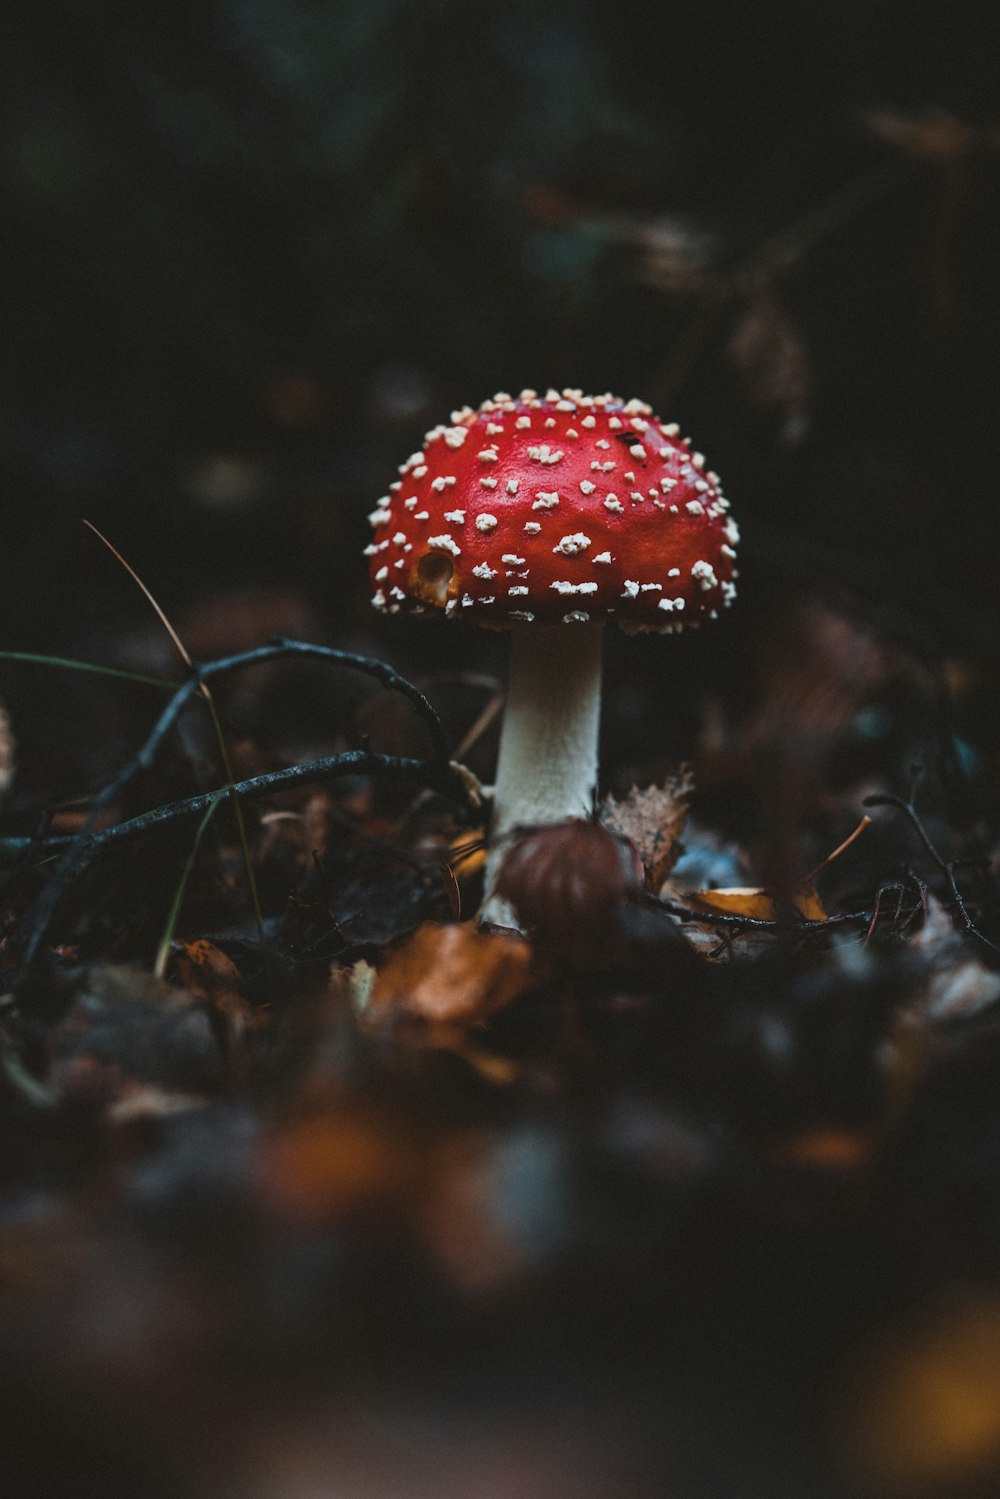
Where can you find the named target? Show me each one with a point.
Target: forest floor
(311, 1185)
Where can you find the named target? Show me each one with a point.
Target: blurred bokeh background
(252, 250)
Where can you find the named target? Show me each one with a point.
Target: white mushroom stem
(547, 769)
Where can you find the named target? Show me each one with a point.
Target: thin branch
(275, 650)
(83, 848)
(442, 776)
(946, 867)
(722, 922)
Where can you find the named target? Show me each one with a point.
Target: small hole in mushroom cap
(435, 570)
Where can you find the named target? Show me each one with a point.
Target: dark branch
(439, 775)
(723, 922)
(946, 867)
(81, 851)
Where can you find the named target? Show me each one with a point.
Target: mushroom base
(547, 767)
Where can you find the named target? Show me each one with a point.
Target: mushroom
(551, 515)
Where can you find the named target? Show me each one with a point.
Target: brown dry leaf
(205, 969)
(454, 974)
(211, 976)
(652, 820)
(757, 903)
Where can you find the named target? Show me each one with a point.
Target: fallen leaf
(452, 973)
(205, 969)
(500, 1071)
(211, 976)
(757, 903)
(467, 853)
(652, 820)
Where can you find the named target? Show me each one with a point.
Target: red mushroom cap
(557, 508)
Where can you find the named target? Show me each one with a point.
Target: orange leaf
(467, 853)
(205, 969)
(214, 978)
(452, 973)
(757, 903)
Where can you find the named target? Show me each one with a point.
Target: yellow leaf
(758, 903)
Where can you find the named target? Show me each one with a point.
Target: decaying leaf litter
(361, 1063)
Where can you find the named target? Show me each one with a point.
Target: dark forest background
(252, 250)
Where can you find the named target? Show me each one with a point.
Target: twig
(442, 776)
(736, 923)
(811, 876)
(79, 851)
(946, 867)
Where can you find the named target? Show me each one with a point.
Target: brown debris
(652, 819)
(453, 974)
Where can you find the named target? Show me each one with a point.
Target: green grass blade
(103, 671)
(163, 952)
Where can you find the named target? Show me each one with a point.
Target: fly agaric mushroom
(551, 515)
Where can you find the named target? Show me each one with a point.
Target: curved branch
(946, 867)
(440, 775)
